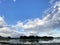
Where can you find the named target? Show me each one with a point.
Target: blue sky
(29, 17)
(22, 9)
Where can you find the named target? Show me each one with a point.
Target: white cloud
(6, 30)
(48, 23)
(38, 26)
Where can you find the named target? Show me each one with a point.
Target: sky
(29, 17)
(15, 10)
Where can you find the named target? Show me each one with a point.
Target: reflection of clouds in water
(56, 41)
(51, 41)
(44, 41)
(26, 42)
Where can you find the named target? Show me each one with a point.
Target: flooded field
(30, 42)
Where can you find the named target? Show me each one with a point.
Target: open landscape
(31, 40)
(29, 22)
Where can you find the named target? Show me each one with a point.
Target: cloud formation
(48, 23)
(6, 30)
(41, 27)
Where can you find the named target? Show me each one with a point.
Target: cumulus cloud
(48, 23)
(6, 30)
(37, 26)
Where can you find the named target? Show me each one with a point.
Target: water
(28, 41)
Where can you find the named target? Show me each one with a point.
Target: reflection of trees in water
(46, 39)
(28, 38)
(32, 41)
(35, 38)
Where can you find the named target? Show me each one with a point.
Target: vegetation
(29, 37)
(35, 37)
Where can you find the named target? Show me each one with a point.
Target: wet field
(30, 42)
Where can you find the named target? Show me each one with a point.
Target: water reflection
(30, 41)
(24, 40)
